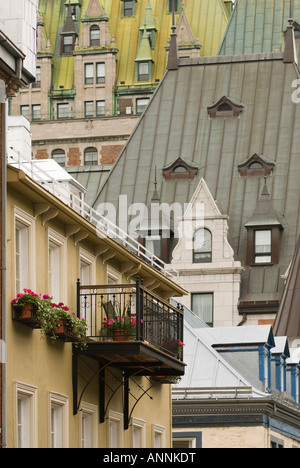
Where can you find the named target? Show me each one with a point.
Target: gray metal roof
(257, 26)
(176, 124)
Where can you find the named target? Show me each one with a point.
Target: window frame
(262, 254)
(208, 293)
(63, 115)
(161, 431)
(34, 107)
(27, 222)
(29, 392)
(143, 76)
(60, 152)
(89, 115)
(100, 75)
(100, 114)
(143, 106)
(94, 42)
(209, 253)
(139, 424)
(118, 419)
(60, 401)
(94, 162)
(59, 242)
(88, 77)
(91, 411)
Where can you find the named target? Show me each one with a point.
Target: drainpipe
(3, 264)
(244, 320)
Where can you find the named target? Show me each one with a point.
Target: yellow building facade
(59, 395)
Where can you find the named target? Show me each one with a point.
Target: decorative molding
(225, 107)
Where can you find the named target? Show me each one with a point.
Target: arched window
(91, 156)
(59, 156)
(94, 35)
(202, 252)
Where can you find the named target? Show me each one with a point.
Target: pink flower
(14, 301)
(46, 296)
(20, 295)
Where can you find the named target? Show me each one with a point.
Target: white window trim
(140, 424)
(63, 401)
(90, 260)
(161, 430)
(119, 419)
(30, 392)
(114, 275)
(92, 410)
(28, 221)
(61, 242)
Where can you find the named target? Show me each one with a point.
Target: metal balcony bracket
(123, 382)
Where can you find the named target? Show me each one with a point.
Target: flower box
(64, 332)
(26, 314)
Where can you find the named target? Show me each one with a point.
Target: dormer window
(143, 71)
(68, 45)
(94, 36)
(225, 107)
(202, 246)
(128, 7)
(264, 231)
(176, 6)
(180, 170)
(256, 166)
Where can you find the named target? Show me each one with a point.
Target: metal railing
(61, 189)
(132, 311)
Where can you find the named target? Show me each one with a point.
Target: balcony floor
(131, 356)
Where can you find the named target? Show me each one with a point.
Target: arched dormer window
(202, 246)
(225, 107)
(256, 166)
(94, 36)
(180, 170)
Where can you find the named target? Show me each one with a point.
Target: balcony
(151, 338)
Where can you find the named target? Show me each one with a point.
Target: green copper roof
(149, 20)
(144, 53)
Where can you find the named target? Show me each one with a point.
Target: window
(59, 156)
(59, 413)
(63, 110)
(141, 105)
(94, 36)
(24, 248)
(202, 305)
(138, 433)
(89, 109)
(56, 262)
(36, 112)
(87, 276)
(26, 400)
(115, 430)
(276, 443)
(143, 71)
(202, 246)
(100, 73)
(25, 112)
(153, 244)
(128, 7)
(158, 436)
(37, 83)
(263, 246)
(170, 2)
(100, 108)
(89, 73)
(91, 156)
(256, 166)
(21, 256)
(88, 425)
(68, 45)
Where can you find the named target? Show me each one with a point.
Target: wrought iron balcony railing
(135, 313)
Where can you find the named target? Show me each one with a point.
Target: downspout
(3, 269)
(244, 320)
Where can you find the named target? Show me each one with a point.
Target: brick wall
(42, 154)
(74, 157)
(110, 153)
